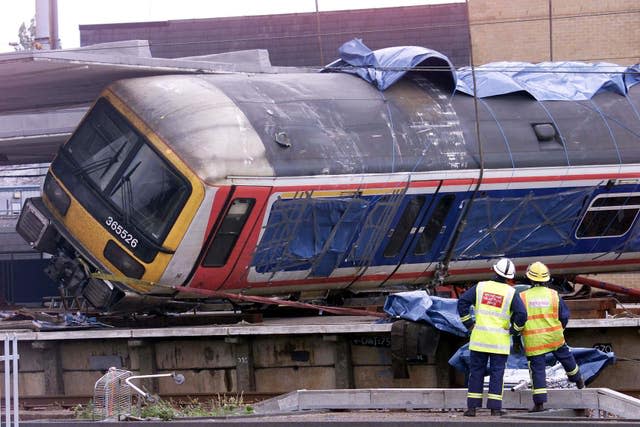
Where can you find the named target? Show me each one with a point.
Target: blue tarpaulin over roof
(545, 81)
(384, 67)
(548, 81)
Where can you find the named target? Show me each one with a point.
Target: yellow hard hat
(538, 272)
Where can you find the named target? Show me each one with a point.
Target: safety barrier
(11, 396)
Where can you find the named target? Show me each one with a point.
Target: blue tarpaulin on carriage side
(442, 313)
(548, 81)
(316, 233)
(591, 361)
(384, 67)
(496, 225)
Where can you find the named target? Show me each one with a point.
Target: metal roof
(45, 93)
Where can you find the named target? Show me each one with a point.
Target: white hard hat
(505, 268)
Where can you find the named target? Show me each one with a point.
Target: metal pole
(42, 24)
(178, 378)
(53, 24)
(606, 286)
(550, 30)
(7, 383)
(319, 36)
(14, 357)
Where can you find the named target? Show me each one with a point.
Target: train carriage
(284, 183)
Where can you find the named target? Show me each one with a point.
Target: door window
(435, 224)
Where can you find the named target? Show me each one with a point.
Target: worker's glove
(518, 348)
(469, 325)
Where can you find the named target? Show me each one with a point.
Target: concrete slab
(599, 400)
(313, 325)
(317, 325)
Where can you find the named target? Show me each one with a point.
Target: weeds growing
(221, 405)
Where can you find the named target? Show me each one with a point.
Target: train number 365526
(121, 232)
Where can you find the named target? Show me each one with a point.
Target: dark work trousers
(538, 373)
(477, 366)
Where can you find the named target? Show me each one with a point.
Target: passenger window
(228, 233)
(403, 228)
(433, 227)
(609, 216)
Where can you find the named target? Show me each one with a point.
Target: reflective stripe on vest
(543, 331)
(493, 318)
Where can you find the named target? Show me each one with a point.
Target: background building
(555, 30)
(501, 30)
(300, 39)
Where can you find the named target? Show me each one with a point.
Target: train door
(432, 237)
(400, 234)
(234, 231)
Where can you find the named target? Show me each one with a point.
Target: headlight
(58, 197)
(123, 261)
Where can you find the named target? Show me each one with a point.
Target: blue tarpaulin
(590, 360)
(442, 313)
(384, 67)
(418, 306)
(548, 81)
(545, 81)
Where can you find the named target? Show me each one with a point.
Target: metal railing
(10, 358)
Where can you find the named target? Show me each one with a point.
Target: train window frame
(597, 206)
(221, 261)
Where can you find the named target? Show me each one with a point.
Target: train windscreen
(117, 161)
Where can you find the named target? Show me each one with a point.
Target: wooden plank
(592, 308)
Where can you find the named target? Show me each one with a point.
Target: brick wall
(292, 39)
(629, 279)
(582, 30)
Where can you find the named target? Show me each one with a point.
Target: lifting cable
(443, 267)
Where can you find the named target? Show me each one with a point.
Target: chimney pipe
(47, 24)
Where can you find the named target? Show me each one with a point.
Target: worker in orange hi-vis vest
(499, 312)
(547, 316)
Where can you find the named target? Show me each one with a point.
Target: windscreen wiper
(104, 163)
(127, 204)
(125, 178)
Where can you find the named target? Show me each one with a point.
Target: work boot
(538, 407)
(580, 383)
(498, 412)
(471, 412)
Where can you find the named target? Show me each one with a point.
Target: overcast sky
(72, 13)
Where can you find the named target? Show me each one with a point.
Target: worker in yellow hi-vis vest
(547, 316)
(499, 312)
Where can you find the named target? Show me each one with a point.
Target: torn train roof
(545, 81)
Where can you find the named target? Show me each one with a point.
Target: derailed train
(278, 184)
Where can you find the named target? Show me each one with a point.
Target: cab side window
(228, 233)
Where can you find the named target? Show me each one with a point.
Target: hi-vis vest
(543, 331)
(493, 318)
